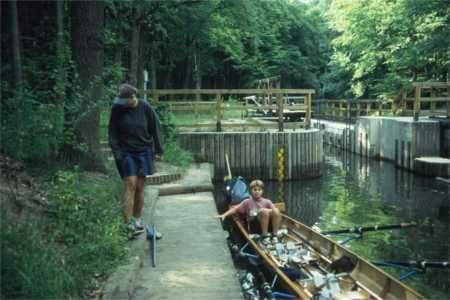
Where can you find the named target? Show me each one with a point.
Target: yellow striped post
(280, 158)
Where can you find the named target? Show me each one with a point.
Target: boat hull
(363, 281)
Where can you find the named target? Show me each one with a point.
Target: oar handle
(421, 264)
(370, 228)
(228, 166)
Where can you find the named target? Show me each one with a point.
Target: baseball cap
(126, 91)
(120, 101)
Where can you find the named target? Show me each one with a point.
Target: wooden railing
(350, 109)
(219, 105)
(434, 88)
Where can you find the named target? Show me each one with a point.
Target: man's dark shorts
(136, 164)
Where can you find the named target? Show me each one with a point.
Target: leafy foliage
(173, 153)
(387, 44)
(90, 227)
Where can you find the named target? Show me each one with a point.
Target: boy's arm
(230, 211)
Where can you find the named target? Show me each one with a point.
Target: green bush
(32, 131)
(80, 237)
(177, 156)
(87, 219)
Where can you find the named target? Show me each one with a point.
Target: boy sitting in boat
(258, 212)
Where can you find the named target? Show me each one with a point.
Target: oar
(420, 264)
(369, 228)
(229, 176)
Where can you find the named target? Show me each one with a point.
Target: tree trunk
(15, 41)
(118, 54)
(197, 72)
(134, 52)
(18, 76)
(153, 78)
(188, 65)
(140, 65)
(61, 76)
(187, 72)
(168, 82)
(87, 46)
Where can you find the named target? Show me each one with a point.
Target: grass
(230, 110)
(56, 255)
(189, 118)
(28, 269)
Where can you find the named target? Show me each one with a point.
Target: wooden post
(155, 96)
(368, 107)
(403, 100)
(380, 107)
(348, 104)
(416, 103)
(358, 109)
(433, 102)
(219, 112)
(280, 110)
(308, 110)
(195, 109)
(393, 107)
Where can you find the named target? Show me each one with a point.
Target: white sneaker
(138, 223)
(282, 232)
(132, 230)
(254, 236)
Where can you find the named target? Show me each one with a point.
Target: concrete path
(192, 260)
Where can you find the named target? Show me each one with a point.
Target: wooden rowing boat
(307, 265)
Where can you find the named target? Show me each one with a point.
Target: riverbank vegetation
(62, 61)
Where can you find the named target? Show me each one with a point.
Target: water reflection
(357, 191)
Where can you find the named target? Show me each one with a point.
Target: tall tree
(61, 76)
(15, 41)
(87, 45)
(135, 45)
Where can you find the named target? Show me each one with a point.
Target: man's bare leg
(128, 197)
(139, 197)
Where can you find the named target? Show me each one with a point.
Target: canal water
(357, 191)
